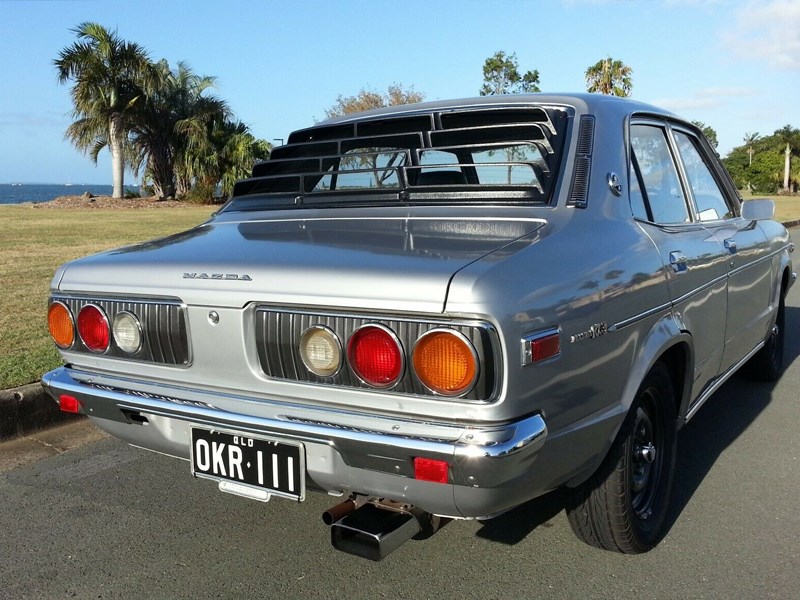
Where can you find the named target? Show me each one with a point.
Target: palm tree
(111, 79)
(240, 152)
(749, 140)
(791, 137)
(164, 125)
(610, 77)
(222, 153)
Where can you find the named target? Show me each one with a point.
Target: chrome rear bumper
(347, 451)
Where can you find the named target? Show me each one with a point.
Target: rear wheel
(623, 506)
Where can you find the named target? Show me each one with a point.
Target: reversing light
(445, 362)
(431, 469)
(93, 328)
(60, 323)
(376, 356)
(321, 351)
(127, 332)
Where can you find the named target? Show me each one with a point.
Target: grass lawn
(34, 242)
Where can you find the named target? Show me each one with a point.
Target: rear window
(447, 156)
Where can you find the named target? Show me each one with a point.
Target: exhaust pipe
(371, 531)
(340, 511)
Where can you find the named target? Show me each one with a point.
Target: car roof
(583, 103)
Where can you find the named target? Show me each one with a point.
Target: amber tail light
(445, 362)
(61, 325)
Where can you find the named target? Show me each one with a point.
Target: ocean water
(15, 193)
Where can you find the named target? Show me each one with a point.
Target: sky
(732, 64)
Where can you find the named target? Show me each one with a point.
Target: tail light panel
(279, 335)
(148, 330)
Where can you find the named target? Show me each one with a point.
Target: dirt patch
(89, 201)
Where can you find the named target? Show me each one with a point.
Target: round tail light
(445, 362)
(376, 356)
(59, 321)
(321, 351)
(127, 332)
(93, 328)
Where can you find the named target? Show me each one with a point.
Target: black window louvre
(318, 154)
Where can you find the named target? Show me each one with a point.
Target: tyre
(767, 364)
(623, 506)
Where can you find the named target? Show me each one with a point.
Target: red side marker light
(540, 347)
(429, 469)
(69, 404)
(546, 347)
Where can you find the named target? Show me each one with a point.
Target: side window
(710, 201)
(657, 175)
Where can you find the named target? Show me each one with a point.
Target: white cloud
(768, 31)
(712, 97)
(45, 119)
(684, 104)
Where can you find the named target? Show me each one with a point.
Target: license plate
(251, 466)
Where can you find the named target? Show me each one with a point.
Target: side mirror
(760, 209)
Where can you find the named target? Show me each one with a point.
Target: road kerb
(26, 409)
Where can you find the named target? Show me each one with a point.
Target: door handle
(678, 261)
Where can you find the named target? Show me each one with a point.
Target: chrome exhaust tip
(373, 533)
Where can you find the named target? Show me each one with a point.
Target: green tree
(765, 172)
(111, 78)
(738, 165)
(709, 132)
(609, 77)
(764, 164)
(371, 99)
(501, 76)
(163, 130)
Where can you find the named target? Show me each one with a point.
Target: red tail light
(93, 328)
(376, 356)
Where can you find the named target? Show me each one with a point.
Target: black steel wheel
(623, 506)
(767, 364)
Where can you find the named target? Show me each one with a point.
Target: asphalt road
(104, 520)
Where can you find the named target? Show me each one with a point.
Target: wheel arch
(669, 343)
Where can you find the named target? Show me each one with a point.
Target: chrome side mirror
(759, 209)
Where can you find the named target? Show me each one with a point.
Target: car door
(744, 243)
(694, 259)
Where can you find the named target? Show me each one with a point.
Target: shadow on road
(724, 417)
